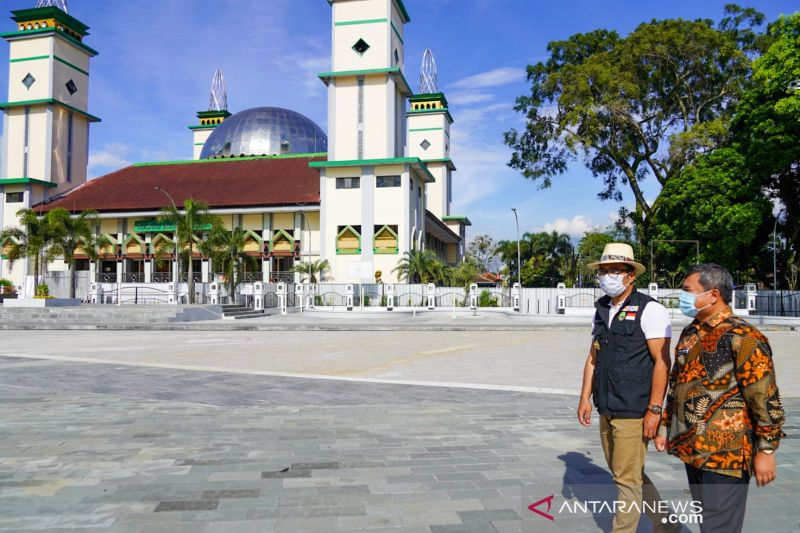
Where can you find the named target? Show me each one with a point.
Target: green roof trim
(394, 71)
(364, 162)
(365, 21)
(203, 126)
(199, 144)
(403, 10)
(440, 110)
(415, 162)
(36, 58)
(447, 161)
(21, 59)
(397, 32)
(67, 63)
(31, 181)
(226, 159)
(39, 13)
(425, 129)
(460, 218)
(213, 114)
(10, 36)
(429, 97)
(51, 101)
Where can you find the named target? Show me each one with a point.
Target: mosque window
(348, 240)
(387, 181)
(425, 144)
(15, 197)
(385, 240)
(71, 87)
(360, 47)
(28, 80)
(348, 183)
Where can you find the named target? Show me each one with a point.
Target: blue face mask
(686, 302)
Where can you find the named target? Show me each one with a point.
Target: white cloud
(491, 78)
(112, 156)
(575, 227)
(467, 98)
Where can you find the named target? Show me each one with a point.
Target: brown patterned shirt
(723, 403)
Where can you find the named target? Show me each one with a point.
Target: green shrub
(486, 300)
(42, 291)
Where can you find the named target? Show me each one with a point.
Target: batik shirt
(723, 403)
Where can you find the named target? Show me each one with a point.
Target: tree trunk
(190, 278)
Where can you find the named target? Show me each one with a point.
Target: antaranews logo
(552, 509)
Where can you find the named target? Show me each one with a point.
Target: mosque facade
(377, 185)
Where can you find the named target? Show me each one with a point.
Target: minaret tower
(217, 112)
(372, 201)
(429, 123)
(45, 118)
(46, 122)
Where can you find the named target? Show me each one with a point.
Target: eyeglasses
(612, 271)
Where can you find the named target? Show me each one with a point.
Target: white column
(204, 270)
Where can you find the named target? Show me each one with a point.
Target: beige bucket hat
(618, 252)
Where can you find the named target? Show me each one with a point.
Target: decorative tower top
(60, 4)
(428, 74)
(219, 94)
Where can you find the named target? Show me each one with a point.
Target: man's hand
(585, 412)
(650, 426)
(764, 465)
(661, 443)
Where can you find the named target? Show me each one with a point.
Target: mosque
(377, 185)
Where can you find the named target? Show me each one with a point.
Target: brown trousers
(625, 449)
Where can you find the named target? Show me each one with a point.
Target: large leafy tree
(482, 249)
(766, 128)
(70, 234)
(30, 239)
(717, 202)
(190, 223)
(634, 108)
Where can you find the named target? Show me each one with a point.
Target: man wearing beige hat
(626, 376)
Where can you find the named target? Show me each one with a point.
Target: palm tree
(69, 234)
(31, 238)
(417, 266)
(188, 224)
(226, 250)
(312, 269)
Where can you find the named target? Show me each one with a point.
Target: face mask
(613, 285)
(686, 302)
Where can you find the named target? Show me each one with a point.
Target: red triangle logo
(546, 514)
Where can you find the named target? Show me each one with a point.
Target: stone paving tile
(131, 449)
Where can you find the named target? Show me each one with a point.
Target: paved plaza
(319, 431)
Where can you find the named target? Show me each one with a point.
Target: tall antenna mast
(219, 95)
(428, 74)
(60, 4)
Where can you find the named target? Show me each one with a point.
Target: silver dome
(265, 131)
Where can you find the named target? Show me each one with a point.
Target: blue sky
(157, 59)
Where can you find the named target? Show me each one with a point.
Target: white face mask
(613, 285)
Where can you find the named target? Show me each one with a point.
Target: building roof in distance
(269, 181)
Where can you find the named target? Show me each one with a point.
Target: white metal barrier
(515, 296)
(431, 296)
(561, 290)
(281, 290)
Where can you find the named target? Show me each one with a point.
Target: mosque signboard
(153, 226)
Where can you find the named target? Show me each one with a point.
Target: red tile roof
(247, 182)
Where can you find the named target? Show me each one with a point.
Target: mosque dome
(265, 131)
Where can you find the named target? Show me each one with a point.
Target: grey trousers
(724, 499)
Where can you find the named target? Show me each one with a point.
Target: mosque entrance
(281, 269)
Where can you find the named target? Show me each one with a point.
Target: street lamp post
(177, 266)
(774, 251)
(519, 265)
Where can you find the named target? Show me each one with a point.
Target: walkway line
(448, 384)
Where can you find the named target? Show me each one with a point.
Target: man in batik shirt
(723, 414)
